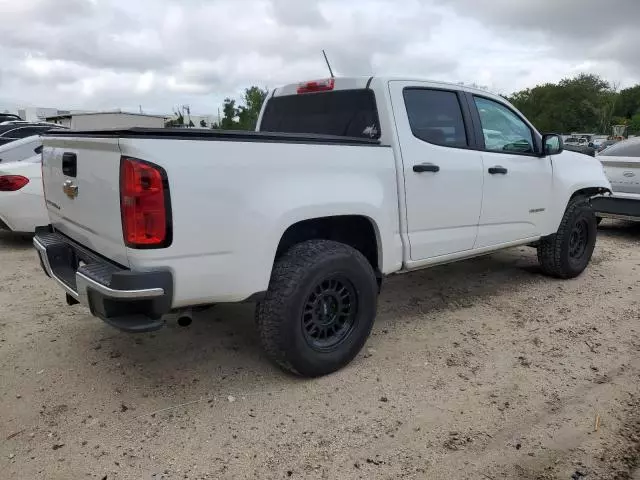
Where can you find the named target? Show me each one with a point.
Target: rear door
(622, 165)
(81, 177)
(442, 173)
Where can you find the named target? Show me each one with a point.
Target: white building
(106, 120)
(38, 114)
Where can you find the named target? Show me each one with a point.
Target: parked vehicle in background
(348, 180)
(22, 206)
(576, 141)
(7, 117)
(19, 150)
(15, 131)
(584, 149)
(622, 166)
(606, 144)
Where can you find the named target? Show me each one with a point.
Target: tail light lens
(145, 204)
(12, 183)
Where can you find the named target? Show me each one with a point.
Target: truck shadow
(16, 241)
(220, 353)
(620, 229)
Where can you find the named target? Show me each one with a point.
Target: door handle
(426, 167)
(498, 170)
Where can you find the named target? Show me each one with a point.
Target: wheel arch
(358, 231)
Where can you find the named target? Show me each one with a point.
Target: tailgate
(81, 178)
(623, 173)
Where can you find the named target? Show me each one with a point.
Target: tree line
(234, 115)
(586, 103)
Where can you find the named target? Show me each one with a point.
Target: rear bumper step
(128, 300)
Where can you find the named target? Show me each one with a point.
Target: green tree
(244, 116)
(584, 103)
(248, 113)
(203, 124)
(229, 113)
(178, 121)
(628, 103)
(634, 124)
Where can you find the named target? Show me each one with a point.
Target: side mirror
(551, 144)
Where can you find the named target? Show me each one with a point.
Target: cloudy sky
(96, 54)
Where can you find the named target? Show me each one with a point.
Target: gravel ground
(483, 369)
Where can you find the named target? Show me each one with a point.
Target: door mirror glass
(552, 144)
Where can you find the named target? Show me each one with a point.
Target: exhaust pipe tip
(185, 320)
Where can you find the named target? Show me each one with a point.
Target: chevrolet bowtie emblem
(70, 189)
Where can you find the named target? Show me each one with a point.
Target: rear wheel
(319, 309)
(567, 253)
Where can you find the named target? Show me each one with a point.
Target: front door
(442, 174)
(517, 180)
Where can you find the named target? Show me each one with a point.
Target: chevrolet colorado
(345, 181)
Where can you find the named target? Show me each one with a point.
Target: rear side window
(626, 148)
(347, 113)
(435, 116)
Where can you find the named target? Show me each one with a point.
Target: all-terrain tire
(292, 298)
(566, 253)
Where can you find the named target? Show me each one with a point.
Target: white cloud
(163, 53)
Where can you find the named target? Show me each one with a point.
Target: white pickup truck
(346, 181)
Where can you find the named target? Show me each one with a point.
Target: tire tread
(550, 248)
(287, 274)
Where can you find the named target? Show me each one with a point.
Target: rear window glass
(435, 116)
(347, 113)
(626, 148)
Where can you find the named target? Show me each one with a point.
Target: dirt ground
(480, 370)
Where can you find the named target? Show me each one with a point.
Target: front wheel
(567, 253)
(319, 309)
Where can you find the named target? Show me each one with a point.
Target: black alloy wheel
(579, 239)
(330, 313)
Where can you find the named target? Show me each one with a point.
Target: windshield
(348, 113)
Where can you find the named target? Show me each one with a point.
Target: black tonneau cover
(214, 135)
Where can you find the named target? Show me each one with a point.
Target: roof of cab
(351, 83)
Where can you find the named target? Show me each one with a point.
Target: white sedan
(621, 163)
(22, 206)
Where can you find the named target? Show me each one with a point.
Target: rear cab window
(346, 113)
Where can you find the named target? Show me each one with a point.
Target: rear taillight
(317, 86)
(145, 204)
(12, 183)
